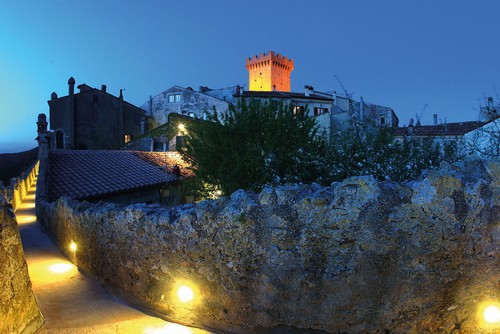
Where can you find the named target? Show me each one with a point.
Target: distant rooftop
(282, 95)
(447, 129)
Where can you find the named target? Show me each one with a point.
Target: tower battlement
(269, 71)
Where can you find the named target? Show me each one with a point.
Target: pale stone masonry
(19, 311)
(359, 256)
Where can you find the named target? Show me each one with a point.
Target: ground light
(168, 329)
(61, 268)
(489, 313)
(185, 294)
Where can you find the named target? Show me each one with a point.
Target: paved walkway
(71, 301)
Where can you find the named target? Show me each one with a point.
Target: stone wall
(19, 311)
(359, 256)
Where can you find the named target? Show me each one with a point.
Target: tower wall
(269, 71)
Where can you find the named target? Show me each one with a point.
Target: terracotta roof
(93, 174)
(449, 129)
(283, 95)
(170, 159)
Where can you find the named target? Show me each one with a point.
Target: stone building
(117, 176)
(92, 119)
(472, 138)
(269, 72)
(317, 104)
(268, 81)
(183, 101)
(346, 111)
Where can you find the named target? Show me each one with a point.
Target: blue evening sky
(402, 54)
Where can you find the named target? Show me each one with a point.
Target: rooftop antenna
(347, 95)
(419, 116)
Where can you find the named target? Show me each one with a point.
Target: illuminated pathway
(72, 302)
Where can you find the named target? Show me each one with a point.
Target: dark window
(95, 99)
(158, 146)
(319, 111)
(179, 143)
(382, 120)
(59, 139)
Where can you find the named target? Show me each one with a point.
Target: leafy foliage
(258, 144)
(254, 145)
(376, 152)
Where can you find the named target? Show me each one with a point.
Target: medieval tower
(269, 71)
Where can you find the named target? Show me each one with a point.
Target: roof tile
(89, 174)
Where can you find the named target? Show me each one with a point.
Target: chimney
(435, 116)
(120, 115)
(71, 84)
(490, 103)
(53, 96)
(103, 88)
(71, 118)
(307, 90)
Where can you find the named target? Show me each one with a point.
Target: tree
(376, 152)
(255, 145)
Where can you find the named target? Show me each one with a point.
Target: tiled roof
(92, 174)
(283, 95)
(449, 129)
(170, 159)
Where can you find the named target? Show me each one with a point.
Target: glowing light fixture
(182, 127)
(491, 314)
(72, 246)
(185, 294)
(168, 329)
(61, 268)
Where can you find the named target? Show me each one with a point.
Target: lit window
(298, 110)
(127, 138)
(172, 98)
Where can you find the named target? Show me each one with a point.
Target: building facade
(317, 104)
(183, 101)
(93, 119)
(346, 111)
